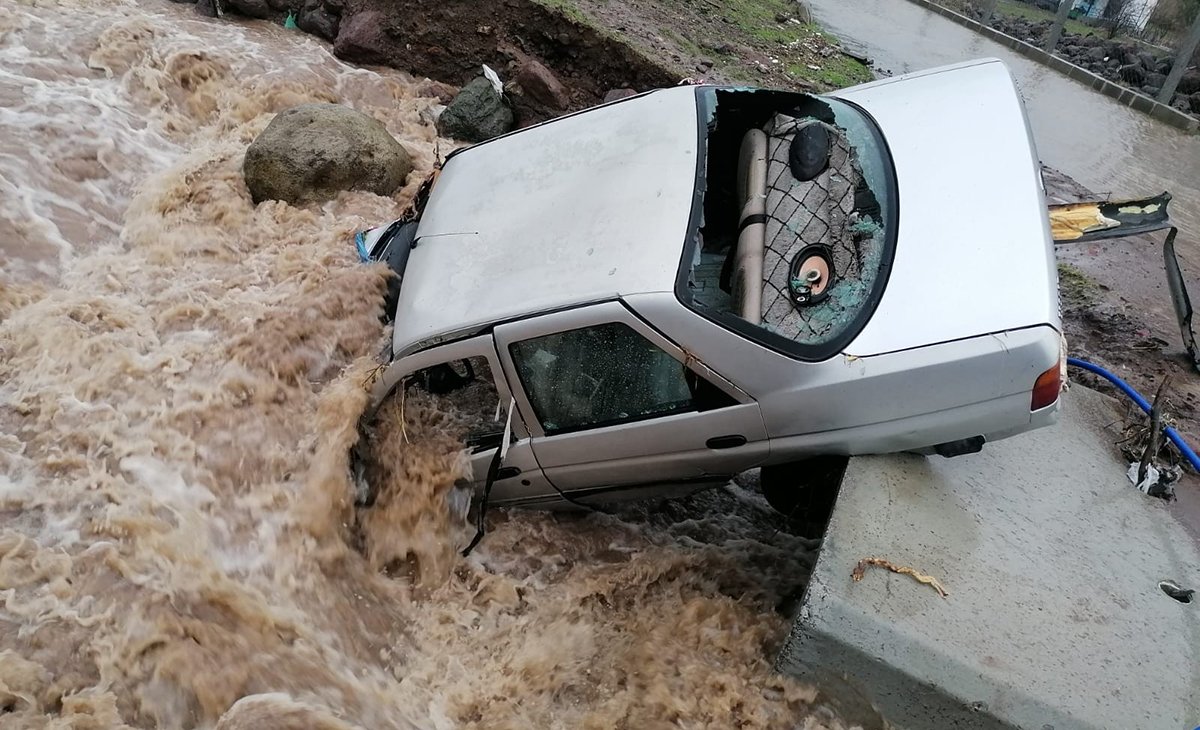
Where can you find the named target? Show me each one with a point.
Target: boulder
(615, 94)
(249, 8)
(1164, 66)
(1190, 82)
(312, 151)
(207, 8)
(334, 6)
(1156, 80)
(283, 6)
(1096, 53)
(1148, 61)
(542, 86)
(361, 37)
(479, 112)
(1182, 102)
(317, 20)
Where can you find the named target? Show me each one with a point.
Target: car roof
(588, 207)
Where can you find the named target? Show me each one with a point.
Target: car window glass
(466, 392)
(605, 375)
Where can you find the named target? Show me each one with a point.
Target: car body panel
(966, 240)
(581, 209)
(657, 450)
(844, 393)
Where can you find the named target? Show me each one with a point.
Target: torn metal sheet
(1179, 297)
(1095, 220)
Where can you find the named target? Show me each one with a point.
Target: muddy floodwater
(181, 374)
(1107, 147)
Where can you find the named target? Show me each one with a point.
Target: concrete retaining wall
(1121, 94)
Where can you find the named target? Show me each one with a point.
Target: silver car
(661, 292)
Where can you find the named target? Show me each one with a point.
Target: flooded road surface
(181, 374)
(1105, 146)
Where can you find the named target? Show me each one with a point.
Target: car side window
(606, 375)
(465, 391)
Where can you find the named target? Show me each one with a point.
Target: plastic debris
(492, 76)
(290, 21)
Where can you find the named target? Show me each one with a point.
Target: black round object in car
(808, 154)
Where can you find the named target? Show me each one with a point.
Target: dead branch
(861, 569)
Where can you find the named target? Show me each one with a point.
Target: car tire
(805, 491)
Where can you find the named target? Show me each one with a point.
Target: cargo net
(818, 217)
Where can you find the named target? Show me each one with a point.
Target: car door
(612, 405)
(464, 377)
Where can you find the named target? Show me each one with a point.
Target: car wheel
(805, 490)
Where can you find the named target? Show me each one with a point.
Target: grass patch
(568, 10)
(1077, 287)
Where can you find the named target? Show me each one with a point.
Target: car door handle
(726, 442)
(507, 472)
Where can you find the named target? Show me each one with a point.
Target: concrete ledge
(1052, 560)
(1122, 94)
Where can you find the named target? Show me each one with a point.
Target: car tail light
(1046, 388)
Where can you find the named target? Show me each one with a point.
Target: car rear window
(795, 233)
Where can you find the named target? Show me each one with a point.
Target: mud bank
(448, 41)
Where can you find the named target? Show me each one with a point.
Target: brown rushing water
(181, 374)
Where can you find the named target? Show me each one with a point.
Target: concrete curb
(1055, 616)
(1122, 94)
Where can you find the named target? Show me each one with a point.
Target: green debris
(290, 21)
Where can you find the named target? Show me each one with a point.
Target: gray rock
(1182, 102)
(207, 8)
(1195, 99)
(312, 151)
(334, 6)
(362, 38)
(1156, 80)
(1132, 74)
(283, 6)
(318, 21)
(249, 8)
(479, 112)
(1151, 91)
(542, 86)
(1148, 61)
(1189, 83)
(1164, 66)
(1096, 53)
(615, 94)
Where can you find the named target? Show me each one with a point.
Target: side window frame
(589, 316)
(480, 346)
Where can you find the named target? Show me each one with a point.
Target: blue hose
(1136, 397)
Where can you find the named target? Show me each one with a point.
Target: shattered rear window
(797, 223)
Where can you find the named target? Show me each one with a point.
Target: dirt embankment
(448, 41)
(591, 46)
